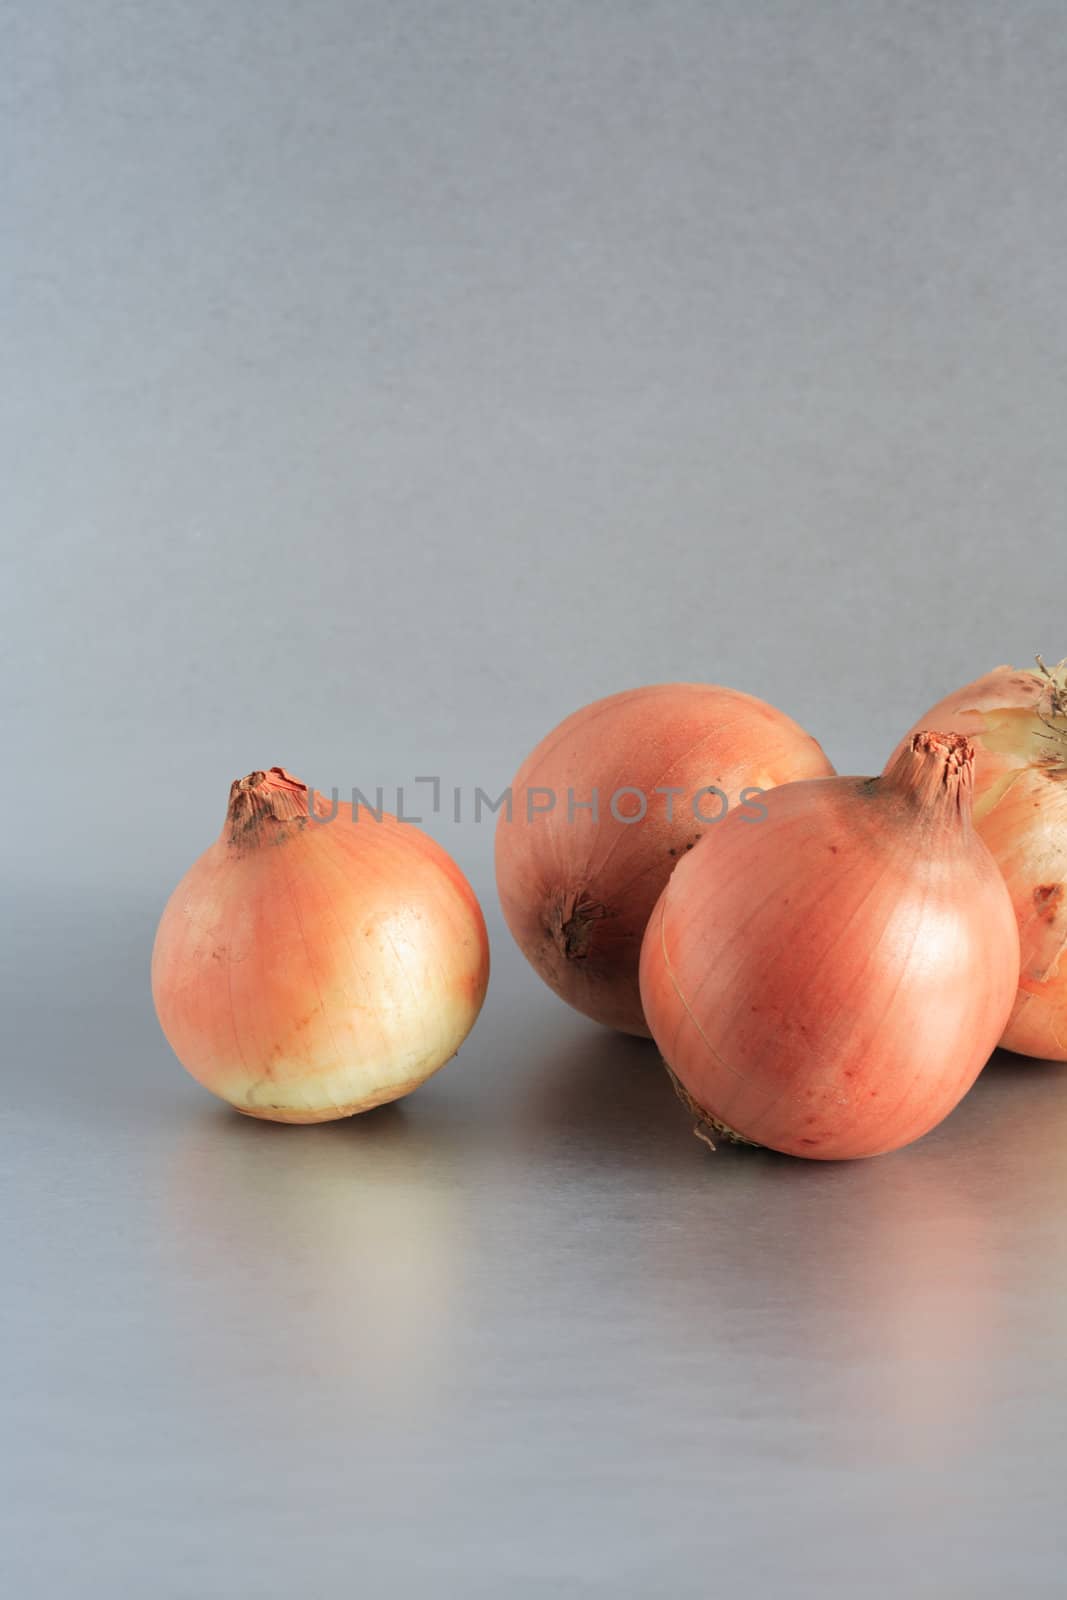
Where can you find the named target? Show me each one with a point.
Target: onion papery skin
(829, 982)
(306, 970)
(577, 894)
(1017, 721)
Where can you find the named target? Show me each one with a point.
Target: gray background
(380, 382)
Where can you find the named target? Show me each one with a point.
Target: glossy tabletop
(521, 1334)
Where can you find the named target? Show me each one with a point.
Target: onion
(576, 888)
(829, 982)
(1018, 723)
(305, 969)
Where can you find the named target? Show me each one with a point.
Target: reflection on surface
(880, 1289)
(532, 1274)
(859, 1309)
(332, 1254)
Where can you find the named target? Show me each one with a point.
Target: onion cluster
(825, 963)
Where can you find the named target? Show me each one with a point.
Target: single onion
(830, 981)
(1017, 721)
(307, 969)
(576, 888)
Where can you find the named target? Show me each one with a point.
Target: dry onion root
(830, 983)
(307, 969)
(577, 887)
(1017, 721)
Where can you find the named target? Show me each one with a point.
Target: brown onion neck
(263, 805)
(1052, 715)
(1053, 681)
(935, 772)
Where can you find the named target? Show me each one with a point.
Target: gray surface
(379, 383)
